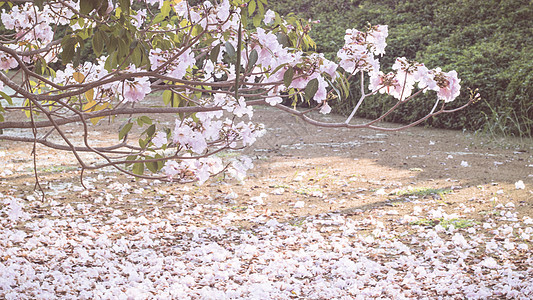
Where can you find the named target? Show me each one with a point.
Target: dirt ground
(356, 188)
(318, 170)
(331, 169)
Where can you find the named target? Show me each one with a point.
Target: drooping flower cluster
(194, 52)
(360, 48)
(359, 55)
(33, 30)
(207, 131)
(132, 90)
(33, 25)
(401, 82)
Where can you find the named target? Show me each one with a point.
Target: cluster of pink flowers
(194, 63)
(207, 130)
(359, 55)
(33, 29)
(132, 90)
(178, 67)
(360, 48)
(401, 82)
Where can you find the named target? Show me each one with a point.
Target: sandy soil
(351, 169)
(305, 174)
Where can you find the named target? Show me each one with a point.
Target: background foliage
(489, 43)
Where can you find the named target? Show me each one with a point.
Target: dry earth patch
(325, 214)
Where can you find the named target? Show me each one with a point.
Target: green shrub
(489, 43)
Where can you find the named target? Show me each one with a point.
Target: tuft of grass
(277, 186)
(307, 191)
(425, 223)
(457, 223)
(423, 192)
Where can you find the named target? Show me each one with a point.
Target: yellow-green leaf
(79, 77)
(251, 7)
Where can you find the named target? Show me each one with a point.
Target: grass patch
(457, 223)
(423, 192)
(308, 192)
(277, 186)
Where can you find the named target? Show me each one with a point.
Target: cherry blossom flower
(160, 139)
(274, 100)
(269, 17)
(325, 109)
(449, 86)
(135, 90)
(7, 62)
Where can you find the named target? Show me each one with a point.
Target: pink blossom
(160, 139)
(274, 100)
(135, 90)
(269, 17)
(137, 19)
(223, 10)
(377, 37)
(325, 109)
(240, 109)
(450, 89)
(321, 93)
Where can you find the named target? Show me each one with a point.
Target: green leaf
(257, 20)
(77, 57)
(68, 44)
(283, 39)
(167, 96)
(6, 96)
(311, 89)
(86, 6)
(252, 59)
(213, 56)
(288, 76)
(153, 166)
(102, 7)
(124, 130)
(110, 62)
(345, 84)
(244, 21)
(145, 120)
(251, 7)
(150, 130)
(143, 143)
(38, 67)
(261, 9)
(98, 43)
(138, 168)
(137, 56)
(165, 10)
(125, 6)
(160, 17)
(230, 49)
(131, 158)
